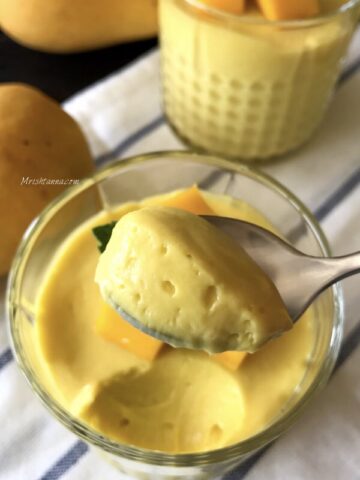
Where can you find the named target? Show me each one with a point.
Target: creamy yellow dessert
(181, 277)
(156, 397)
(243, 86)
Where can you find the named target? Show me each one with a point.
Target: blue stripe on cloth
(350, 343)
(131, 140)
(349, 72)
(338, 195)
(5, 358)
(71, 457)
(241, 471)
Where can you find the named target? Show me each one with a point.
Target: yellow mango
(230, 360)
(38, 142)
(190, 200)
(289, 9)
(64, 26)
(231, 6)
(113, 328)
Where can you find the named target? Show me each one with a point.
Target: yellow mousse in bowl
(139, 391)
(246, 87)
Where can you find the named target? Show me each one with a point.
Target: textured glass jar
(135, 179)
(244, 87)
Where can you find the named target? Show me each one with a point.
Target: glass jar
(245, 87)
(132, 180)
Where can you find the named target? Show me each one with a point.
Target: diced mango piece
(115, 329)
(230, 6)
(190, 200)
(231, 360)
(289, 9)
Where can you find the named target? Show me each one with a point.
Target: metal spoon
(299, 278)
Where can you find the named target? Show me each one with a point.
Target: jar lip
(245, 447)
(244, 20)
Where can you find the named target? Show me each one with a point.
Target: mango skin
(64, 26)
(37, 140)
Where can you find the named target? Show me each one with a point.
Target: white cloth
(121, 116)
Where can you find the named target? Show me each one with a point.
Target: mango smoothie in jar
(251, 81)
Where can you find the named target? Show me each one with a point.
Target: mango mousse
(239, 83)
(186, 280)
(134, 388)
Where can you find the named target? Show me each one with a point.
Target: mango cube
(230, 360)
(115, 329)
(289, 9)
(231, 6)
(190, 200)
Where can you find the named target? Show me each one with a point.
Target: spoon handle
(315, 275)
(338, 268)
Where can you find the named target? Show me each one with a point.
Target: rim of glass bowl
(302, 23)
(243, 448)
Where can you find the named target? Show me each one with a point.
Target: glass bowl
(134, 179)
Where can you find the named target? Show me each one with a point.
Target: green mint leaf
(102, 234)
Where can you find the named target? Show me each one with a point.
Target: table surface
(60, 76)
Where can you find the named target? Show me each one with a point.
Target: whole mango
(42, 152)
(71, 26)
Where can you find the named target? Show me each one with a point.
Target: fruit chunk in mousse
(271, 9)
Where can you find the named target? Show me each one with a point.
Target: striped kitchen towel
(122, 116)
